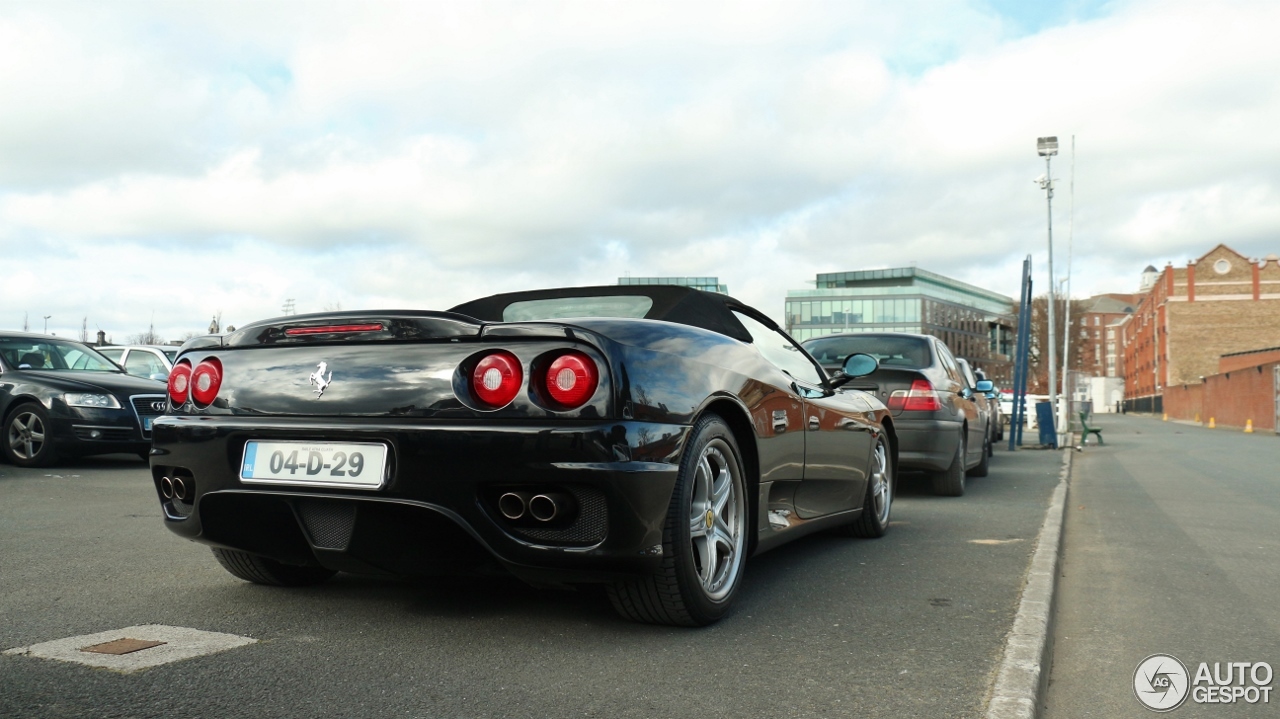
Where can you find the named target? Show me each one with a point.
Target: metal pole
(1065, 421)
(1021, 352)
(1053, 370)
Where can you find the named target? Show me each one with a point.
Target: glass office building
(710, 284)
(976, 324)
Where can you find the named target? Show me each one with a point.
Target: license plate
(361, 465)
(147, 422)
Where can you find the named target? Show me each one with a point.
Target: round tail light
(206, 380)
(496, 379)
(179, 383)
(571, 380)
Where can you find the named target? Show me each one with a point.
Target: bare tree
(84, 330)
(147, 338)
(333, 307)
(26, 327)
(1037, 358)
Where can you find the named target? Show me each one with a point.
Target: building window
(1222, 267)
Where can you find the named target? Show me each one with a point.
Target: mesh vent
(590, 527)
(329, 524)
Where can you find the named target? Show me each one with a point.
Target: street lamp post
(1048, 147)
(46, 323)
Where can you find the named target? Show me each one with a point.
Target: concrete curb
(1024, 671)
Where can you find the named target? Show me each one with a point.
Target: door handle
(813, 423)
(780, 421)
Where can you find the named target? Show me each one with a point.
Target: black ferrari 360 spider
(649, 438)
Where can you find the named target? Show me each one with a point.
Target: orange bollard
(1248, 426)
(1211, 423)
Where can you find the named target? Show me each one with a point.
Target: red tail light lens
(921, 398)
(571, 380)
(179, 383)
(206, 380)
(496, 379)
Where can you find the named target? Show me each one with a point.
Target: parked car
(151, 361)
(648, 438)
(934, 412)
(60, 398)
(988, 409)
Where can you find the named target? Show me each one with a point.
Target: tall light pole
(1048, 147)
(46, 323)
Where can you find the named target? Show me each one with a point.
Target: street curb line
(1024, 671)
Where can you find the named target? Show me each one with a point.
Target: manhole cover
(121, 646)
(134, 648)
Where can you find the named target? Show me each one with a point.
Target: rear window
(634, 306)
(910, 352)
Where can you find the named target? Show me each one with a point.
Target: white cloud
(420, 154)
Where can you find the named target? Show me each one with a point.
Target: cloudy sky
(161, 162)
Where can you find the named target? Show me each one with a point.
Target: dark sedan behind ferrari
(941, 426)
(60, 398)
(646, 438)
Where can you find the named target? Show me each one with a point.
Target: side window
(143, 364)
(781, 351)
(948, 362)
(111, 354)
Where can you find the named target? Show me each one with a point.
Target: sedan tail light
(206, 380)
(571, 380)
(179, 383)
(496, 379)
(922, 397)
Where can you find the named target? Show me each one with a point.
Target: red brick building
(1100, 348)
(1219, 304)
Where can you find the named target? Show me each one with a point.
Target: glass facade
(975, 323)
(709, 284)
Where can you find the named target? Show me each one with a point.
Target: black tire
(873, 523)
(950, 481)
(261, 570)
(985, 465)
(27, 439)
(695, 584)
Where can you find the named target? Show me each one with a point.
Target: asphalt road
(910, 625)
(1171, 542)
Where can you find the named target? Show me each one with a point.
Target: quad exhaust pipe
(544, 507)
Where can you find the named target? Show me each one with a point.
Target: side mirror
(860, 365)
(855, 365)
(985, 385)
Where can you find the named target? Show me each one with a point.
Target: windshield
(911, 352)
(42, 354)
(171, 354)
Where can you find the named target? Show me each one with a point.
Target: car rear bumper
(437, 510)
(926, 444)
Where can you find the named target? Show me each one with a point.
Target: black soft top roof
(682, 305)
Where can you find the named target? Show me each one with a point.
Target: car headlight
(91, 399)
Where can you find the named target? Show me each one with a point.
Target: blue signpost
(1022, 353)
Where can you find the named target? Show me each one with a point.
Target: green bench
(1088, 431)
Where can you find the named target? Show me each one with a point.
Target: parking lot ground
(911, 625)
(1170, 547)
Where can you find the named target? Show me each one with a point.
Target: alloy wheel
(717, 520)
(26, 435)
(881, 486)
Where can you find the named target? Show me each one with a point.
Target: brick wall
(1185, 401)
(1201, 332)
(1231, 363)
(1230, 398)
